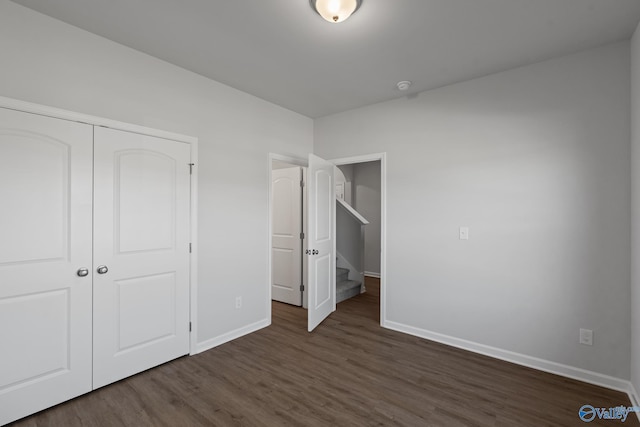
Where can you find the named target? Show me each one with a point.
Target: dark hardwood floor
(349, 372)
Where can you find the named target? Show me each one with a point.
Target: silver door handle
(82, 272)
(102, 269)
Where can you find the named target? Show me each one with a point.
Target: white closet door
(286, 245)
(45, 238)
(141, 234)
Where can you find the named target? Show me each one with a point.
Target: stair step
(342, 274)
(347, 289)
(347, 284)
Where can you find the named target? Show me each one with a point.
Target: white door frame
(295, 161)
(29, 107)
(382, 157)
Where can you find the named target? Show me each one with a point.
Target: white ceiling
(282, 51)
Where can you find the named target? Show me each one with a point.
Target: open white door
(321, 248)
(141, 232)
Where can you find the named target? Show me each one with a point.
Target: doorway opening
(365, 187)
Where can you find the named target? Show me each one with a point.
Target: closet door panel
(45, 238)
(141, 230)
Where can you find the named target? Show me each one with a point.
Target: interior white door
(321, 250)
(286, 245)
(141, 253)
(45, 239)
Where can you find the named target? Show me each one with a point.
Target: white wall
(347, 171)
(535, 161)
(51, 63)
(635, 210)
(366, 196)
(277, 164)
(348, 242)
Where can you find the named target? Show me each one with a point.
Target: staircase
(346, 288)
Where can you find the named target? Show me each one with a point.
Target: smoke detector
(404, 85)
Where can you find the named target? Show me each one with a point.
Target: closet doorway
(95, 260)
(288, 223)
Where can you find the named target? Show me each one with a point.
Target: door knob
(82, 272)
(102, 269)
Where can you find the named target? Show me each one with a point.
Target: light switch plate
(464, 233)
(586, 336)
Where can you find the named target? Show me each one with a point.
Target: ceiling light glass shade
(335, 10)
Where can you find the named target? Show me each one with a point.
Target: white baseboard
(580, 374)
(229, 336)
(372, 274)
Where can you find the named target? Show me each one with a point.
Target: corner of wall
(633, 397)
(230, 336)
(635, 216)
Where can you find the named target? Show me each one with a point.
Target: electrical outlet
(586, 336)
(238, 302)
(464, 233)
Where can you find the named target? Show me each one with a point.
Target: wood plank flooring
(349, 372)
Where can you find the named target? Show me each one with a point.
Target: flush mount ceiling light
(335, 11)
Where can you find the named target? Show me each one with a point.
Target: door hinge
(301, 183)
(301, 236)
(301, 288)
(189, 326)
(189, 247)
(191, 168)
